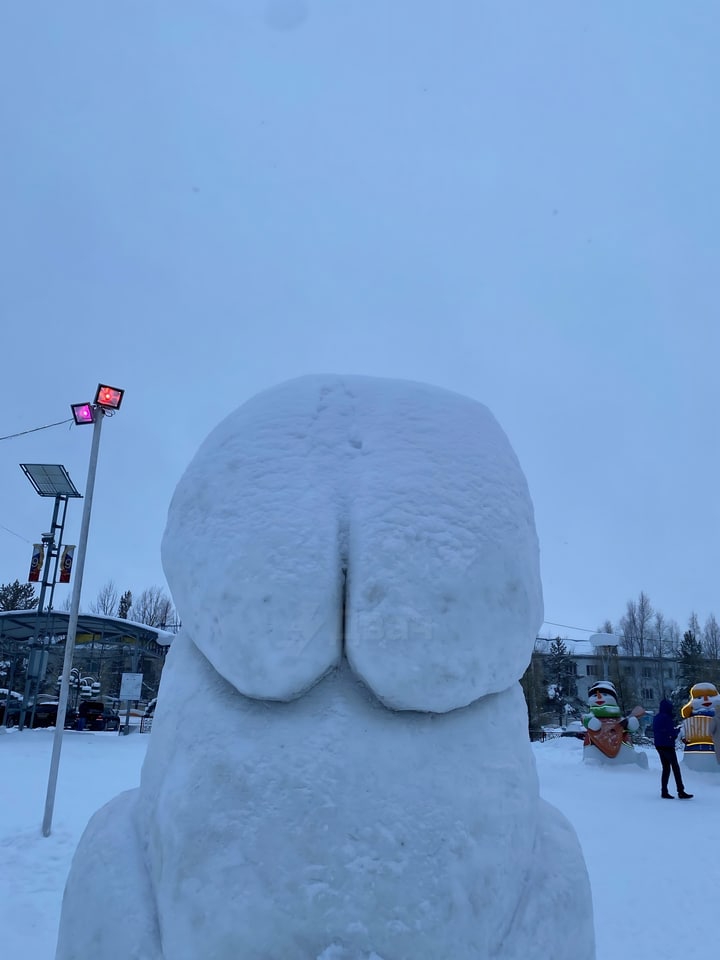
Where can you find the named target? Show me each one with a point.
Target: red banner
(36, 564)
(66, 562)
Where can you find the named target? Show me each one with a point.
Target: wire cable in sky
(19, 536)
(11, 436)
(567, 626)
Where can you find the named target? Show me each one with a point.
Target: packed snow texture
(284, 812)
(386, 520)
(96, 766)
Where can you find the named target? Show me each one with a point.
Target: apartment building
(638, 680)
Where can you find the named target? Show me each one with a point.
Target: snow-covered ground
(651, 862)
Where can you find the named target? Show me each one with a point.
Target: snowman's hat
(603, 686)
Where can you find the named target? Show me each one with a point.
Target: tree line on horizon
(152, 605)
(647, 632)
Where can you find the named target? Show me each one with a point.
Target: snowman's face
(602, 698)
(705, 697)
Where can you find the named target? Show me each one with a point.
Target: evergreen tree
(690, 668)
(560, 679)
(124, 605)
(17, 596)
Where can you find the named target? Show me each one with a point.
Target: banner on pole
(66, 562)
(36, 564)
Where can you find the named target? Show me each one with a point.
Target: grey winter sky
(514, 200)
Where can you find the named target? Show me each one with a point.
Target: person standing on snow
(665, 734)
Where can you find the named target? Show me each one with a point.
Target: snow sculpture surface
(339, 765)
(607, 732)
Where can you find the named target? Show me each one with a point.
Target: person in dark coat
(665, 734)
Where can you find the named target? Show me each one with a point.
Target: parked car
(97, 716)
(13, 708)
(577, 734)
(45, 716)
(13, 713)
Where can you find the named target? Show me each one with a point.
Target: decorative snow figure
(699, 752)
(607, 736)
(339, 763)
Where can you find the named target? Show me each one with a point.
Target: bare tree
(673, 638)
(656, 644)
(711, 638)
(636, 625)
(154, 607)
(107, 600)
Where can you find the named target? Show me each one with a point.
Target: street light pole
(48, 480)
(72, 625)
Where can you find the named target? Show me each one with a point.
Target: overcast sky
(515, 200)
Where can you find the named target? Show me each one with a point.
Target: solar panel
(50, 479)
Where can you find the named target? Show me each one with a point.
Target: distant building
(638, 680)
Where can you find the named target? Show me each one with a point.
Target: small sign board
(131, 686)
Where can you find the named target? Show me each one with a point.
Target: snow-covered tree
(560, 679)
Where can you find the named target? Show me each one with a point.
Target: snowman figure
(607, 736)
(339, 761)
(698, 752)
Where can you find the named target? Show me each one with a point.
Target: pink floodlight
(82, 413)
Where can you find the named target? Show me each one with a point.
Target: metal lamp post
(48, 480)
(107, 400)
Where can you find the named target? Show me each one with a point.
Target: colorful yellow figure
(696, 714)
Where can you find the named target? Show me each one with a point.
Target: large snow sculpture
(339, 763)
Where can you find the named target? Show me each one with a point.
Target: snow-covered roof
(604, 640)
(24, 624)
(577, 648)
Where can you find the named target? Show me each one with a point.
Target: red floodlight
(107, 397)
(82, 413)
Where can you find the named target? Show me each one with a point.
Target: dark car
(13, 712)
(13, 708)
(94, 715)
(45, 716)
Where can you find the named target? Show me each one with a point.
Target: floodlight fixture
(50, 479)
(109, 398)
(82, 413)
